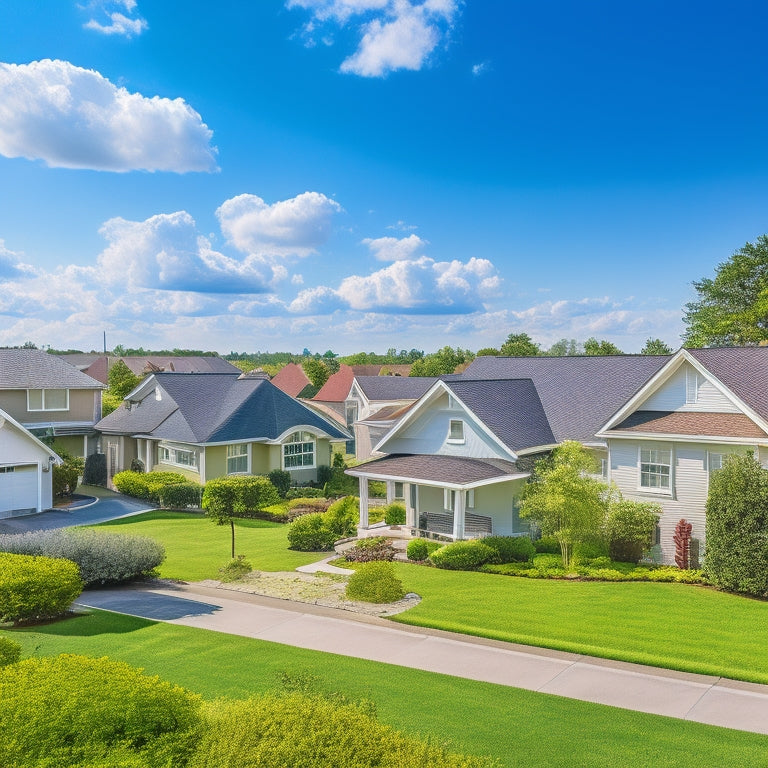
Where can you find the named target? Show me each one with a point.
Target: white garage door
(18, 490)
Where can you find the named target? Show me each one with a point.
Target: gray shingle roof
(578, 394)
(394, 387)
(35, 369)
(690, 423)
(212, 407)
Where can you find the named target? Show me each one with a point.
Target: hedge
(146, 485)
(181, 496)
(511, 549)
(36, 588)
(101, 557)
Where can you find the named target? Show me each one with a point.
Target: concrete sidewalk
(711, 700)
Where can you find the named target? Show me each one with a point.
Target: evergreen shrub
(95, 472)
(375, 582)
(281, 480)
(64, 479)
(146, 485)
(394, 514)
(464, 555)
(186, 495)
(10, 651)
(511, 549)
(309, 533)
(420, 549)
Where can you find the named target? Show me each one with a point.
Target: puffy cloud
(11, 264)
(71, 117)
(394, 34)
(395, 249)
(289, 227)
(119, 23)
(166, 252)
(481, 68)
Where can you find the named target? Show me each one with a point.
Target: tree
(488, 352)
(121, 379)
(564, 347)
(732, 308)
(594, 347)
(317, 372)
(519, 345)
(445, 360)
(737, 526)
(219, 499)
(630, 527)
(656, 347)
(565, 498)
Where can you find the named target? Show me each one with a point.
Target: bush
(301, 729)
(394, 514)
(324, 474)
(370, 550)
(281, 480)
(464, 555)
(235, 569)
(547, 545)
(95, 472)
(420, 549)
(10, 651)
(239, 495)
(33, 588)
(146, 485)
(181, 496)
(342, 516)
(511, 549)
(630, 527)
(305, 492)
(64, 479)
(74, 710)
(101, 557)
(375, 583)
(309, 533)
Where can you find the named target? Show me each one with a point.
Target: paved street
(697, 698)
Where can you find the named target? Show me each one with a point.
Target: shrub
(421, 549)
(547, 545)
(324, 474)
(394, 514)
(235, 569)
(181, 496)
(309, 533)
(375, 583)
(95, 472)
(281, 480)
(584, 552)
(10, 651)
(64, 479)
(511, 549)
(34, 588)
(146, 485)
(309, 502)
(305, 492)
(464, 555)
(101, 557)
(377, 489)
(342, 516)
(301, 729)
(74, 710)
(371, 549)
(630, 527)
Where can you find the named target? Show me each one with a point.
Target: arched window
(299, 451)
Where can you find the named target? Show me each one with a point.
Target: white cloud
(395, 249)
(393, 34)
(11, 264)
(481, 68)
(71, 117)
(289, 227)
(401, 226)
(118, 22)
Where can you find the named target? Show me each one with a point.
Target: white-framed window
(399, 491)
(715, 461)
(6, 470)
(237, 458)
(449, 499)
(692, 384)
(470, 499)
(456, 431)
(181, 457)
(47, 399)
(656, 468)
(299, 451)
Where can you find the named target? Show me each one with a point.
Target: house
(659, 425)
(291, 379)
(25, 470)
(206, 425)
(333, 394)
(51, 398)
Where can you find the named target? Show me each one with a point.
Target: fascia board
(357, 472)
(668, 438)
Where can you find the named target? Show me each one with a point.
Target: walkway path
(699, 698)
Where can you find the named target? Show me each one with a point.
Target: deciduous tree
(656, 347)
(519, 345)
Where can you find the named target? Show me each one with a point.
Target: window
(299, 451)
(5, 470)
(449, 499)
(692, 384)
(237, 458)
(47, 399)
(655, 468)
(470, 498)
(715, 461)
(182, 457)
(351, 411)
(456, 431)
(399, 491)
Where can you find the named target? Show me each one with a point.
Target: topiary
(181, 496)
(375, 582)
(464, 555)
(511, 549)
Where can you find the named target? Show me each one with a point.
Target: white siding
(671, 395)
(18, 448)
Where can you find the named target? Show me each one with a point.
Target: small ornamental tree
(565, 498)
(630, 527)
(737, 526)
(219, 499)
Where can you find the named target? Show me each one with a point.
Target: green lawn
(196, 548)
(684, 627)
(520, 728)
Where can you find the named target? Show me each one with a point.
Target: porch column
(458, 515)
(363, 502)
(410, 507)
(390, 491)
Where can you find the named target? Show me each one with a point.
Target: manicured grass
(678, 626)
(196, 548)
(518, 727)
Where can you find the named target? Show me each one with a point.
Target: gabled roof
(690, 423)
(578, 394)
(336, 389)
(213, 408)
(394, 387)
(35, 369)
(291, 379)
(6, 417)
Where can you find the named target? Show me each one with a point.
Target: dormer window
(456, 431)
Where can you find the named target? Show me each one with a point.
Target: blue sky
(366, 174)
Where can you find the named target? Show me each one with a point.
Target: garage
(18, 490)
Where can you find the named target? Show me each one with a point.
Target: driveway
(107, 506)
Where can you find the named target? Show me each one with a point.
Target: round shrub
(464, 555)
(10, 651)
(64, 479)
(375, 583)
(309, 533)
(71, 709)
(421, 549)
(511, 549)
(34, 588)
(394, 514)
